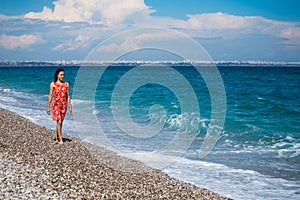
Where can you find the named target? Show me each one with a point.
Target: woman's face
(61, 76)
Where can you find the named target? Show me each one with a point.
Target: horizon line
(149, 62)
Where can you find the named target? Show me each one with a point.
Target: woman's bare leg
(58, 130)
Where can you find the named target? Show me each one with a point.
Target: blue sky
(266, 30)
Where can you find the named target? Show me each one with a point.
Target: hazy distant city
(144, 62)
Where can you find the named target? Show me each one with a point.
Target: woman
(59, 90)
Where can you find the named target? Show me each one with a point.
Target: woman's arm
(49, 98)
(69, 100)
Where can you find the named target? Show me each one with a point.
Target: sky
(46, 30)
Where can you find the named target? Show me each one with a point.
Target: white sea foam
(232, 182)
(188, 122)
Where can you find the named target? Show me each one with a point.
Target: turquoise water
(257, 156)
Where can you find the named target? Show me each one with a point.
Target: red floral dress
(59, 103)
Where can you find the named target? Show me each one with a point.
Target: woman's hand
(48, 111)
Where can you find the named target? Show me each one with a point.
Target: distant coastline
(142, 62)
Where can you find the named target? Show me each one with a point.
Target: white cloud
(226, 26)
(4, 17)
(78, 36)
(212, 25)
(92, 11)
(203, 22)
(22, 41)
(216, 21)
(130, 41)
(222, 25)
(118, 15)
(291, 34)
(81, 41)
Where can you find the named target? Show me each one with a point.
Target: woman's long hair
(57, 72)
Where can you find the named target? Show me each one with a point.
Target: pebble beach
(34, 166)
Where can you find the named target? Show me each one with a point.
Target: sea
(257, 151)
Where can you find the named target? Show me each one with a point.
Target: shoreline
(33, 165)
